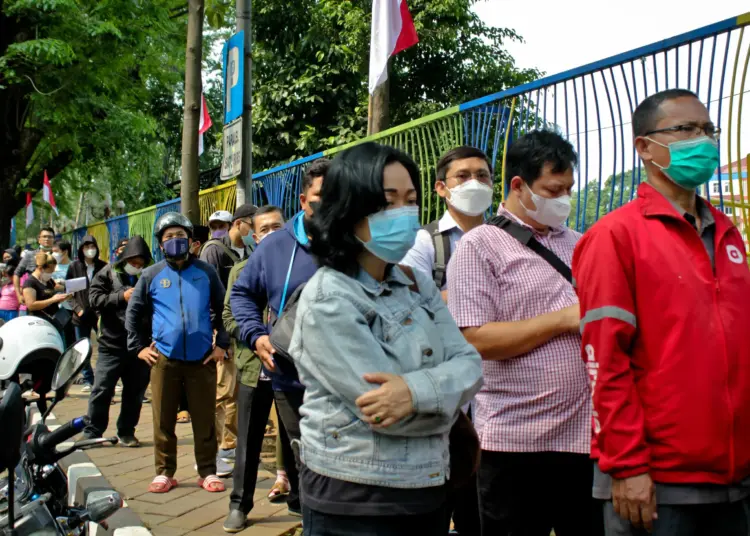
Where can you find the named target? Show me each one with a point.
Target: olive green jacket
(248, 364)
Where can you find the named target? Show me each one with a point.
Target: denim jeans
(87, 372)
(316, 523)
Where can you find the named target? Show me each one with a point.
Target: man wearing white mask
(464, 180)
(510, 291)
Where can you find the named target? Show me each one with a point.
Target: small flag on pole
(29, 209)
(392, 31)
(204, 124)
(47, 194)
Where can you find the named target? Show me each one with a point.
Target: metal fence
(591, 105)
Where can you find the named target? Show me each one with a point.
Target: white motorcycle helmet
(30, 345)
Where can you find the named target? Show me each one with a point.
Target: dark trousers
(288, 405)
(316, 523)
(110, 367)
(87, 372)
(463, 509)
(722, 519)
(170, 378)
(253, 408)
(529, 494)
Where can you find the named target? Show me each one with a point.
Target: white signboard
(231, 164)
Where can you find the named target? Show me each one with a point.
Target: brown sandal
(279, 491)
(183, 417)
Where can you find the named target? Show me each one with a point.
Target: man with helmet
(109, 295)
(182, 299)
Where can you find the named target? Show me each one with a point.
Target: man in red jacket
(664, 289)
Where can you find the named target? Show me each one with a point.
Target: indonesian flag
(392, 31)
(47, 194)
(29, 209)
(204, 124)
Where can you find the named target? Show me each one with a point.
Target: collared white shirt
(422, 255)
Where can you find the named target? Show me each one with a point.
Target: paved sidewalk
(186, 509)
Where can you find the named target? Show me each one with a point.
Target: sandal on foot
(211, 483)
(279, 491)
(183, 417)
(162, 484)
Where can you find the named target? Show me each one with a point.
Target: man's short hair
(648, 112)
(459, 153)
(529, 154)
(318, 168)
(62, 245)
(47, 229)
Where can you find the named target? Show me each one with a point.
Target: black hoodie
(107, 296)
(81, 299)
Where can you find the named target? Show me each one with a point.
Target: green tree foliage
(615, 191)
(311, 68)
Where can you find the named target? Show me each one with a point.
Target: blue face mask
(392, 233)
(176, 248)
(248, 240)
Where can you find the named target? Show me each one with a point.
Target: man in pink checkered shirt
(533, 415)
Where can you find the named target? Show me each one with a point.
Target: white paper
(75, 285)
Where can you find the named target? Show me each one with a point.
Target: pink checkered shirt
(539, 401)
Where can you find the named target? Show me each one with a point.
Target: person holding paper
(39, 290)
(84, 317)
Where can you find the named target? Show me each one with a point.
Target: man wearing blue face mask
(223, 253)
(510, 291)
(182, 298)
(664, 286)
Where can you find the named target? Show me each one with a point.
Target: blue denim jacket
(347, 327)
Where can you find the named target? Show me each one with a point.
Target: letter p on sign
(234, 74)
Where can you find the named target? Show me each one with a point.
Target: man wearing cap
(219, 223)
(223, 253)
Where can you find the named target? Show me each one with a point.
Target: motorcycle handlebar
(51, 439)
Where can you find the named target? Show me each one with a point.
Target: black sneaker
(235, 522)
(129, 441)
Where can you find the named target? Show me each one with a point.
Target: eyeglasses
(481, 176)
(691, 130)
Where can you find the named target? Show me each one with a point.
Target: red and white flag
(29, 209)
(392, 31)
(204, 123)
(47, 194)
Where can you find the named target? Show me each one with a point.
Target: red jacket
(666, 342)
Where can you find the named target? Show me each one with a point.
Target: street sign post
(231, 164)
(234, 77)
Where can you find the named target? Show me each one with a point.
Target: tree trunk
(189, 186)
(379, 113)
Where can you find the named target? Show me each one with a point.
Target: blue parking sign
(234, 76)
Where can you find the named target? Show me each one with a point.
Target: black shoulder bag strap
(442, 244)
(526, 237)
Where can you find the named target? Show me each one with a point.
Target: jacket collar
(394, 276)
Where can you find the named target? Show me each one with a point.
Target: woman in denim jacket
(385, 367)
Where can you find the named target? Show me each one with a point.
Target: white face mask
(46, 277)
(132, 270)
(58, 257)
(90, 253)
(472, 197)
(550, 211)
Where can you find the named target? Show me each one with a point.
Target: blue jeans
(319, 524)
(7, 316)
(87, 372)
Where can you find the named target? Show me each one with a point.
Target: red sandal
(162, 484)
(212, 484)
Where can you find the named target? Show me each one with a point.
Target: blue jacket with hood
(262, 284)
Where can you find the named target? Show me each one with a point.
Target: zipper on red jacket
(726, 381)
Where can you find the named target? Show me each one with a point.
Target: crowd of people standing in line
(604, 374)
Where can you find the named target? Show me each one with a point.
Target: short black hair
(48, 229)
(647, 114)
(529, 154)
(62, 245)
(267, 209)
(459, 153)
(319, 168)
(201, 233)
(352, 190)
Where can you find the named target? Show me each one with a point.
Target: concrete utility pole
(245, 179)
(189, 184)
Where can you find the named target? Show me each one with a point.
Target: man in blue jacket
(183, 299)
(280, 264)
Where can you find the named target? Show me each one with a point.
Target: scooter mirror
(69, 366)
